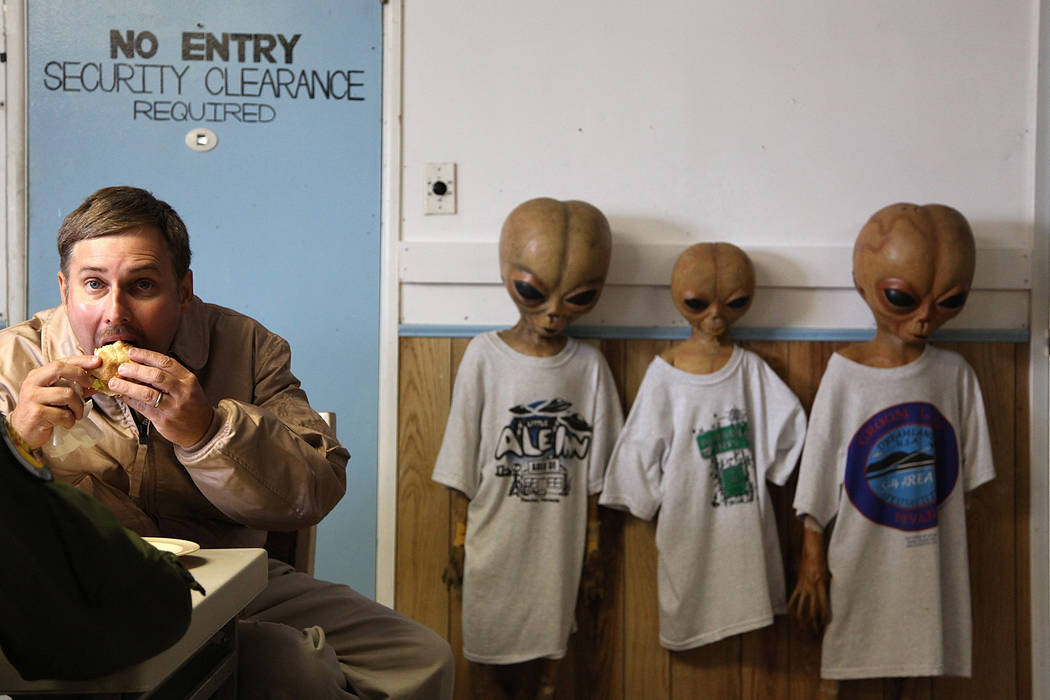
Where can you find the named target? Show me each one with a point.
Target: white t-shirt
(699, 449)
(888, 456)
(527, 440)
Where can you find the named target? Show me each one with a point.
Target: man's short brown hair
(113, 210)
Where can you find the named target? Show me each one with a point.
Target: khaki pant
(307, 639)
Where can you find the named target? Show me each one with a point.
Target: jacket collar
(56, 336)
(193, 337)
(190, 346)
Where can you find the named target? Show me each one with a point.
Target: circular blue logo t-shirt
(902, 464)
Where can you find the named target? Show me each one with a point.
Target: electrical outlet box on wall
(439, 195)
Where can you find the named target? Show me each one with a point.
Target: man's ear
(186, 291)
(62, 285)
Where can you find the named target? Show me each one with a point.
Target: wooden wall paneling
(866, 689)
(909, 688)
(990, 531)
(423, 511)
(648, 664)
(575, 662)
(886, 689)
(709, 671)
(1022, 518)
(647, 672)
(765, 672)
(602, 676)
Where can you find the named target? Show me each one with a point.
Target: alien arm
(809, 601)
(453, 573)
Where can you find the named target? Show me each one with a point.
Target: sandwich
(113, 355)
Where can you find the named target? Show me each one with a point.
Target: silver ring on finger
(160, 395)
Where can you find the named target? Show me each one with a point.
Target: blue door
(260, 122)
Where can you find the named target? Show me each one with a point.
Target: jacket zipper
(147, 485)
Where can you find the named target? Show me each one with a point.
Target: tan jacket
(268, 462)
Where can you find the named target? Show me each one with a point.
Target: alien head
(712, 285)
(914, 265)
(554, 257)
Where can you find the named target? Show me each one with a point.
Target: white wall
(768, 124)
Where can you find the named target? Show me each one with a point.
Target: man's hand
(166, 393)
(47, 398)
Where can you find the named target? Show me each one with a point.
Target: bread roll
(113, 355)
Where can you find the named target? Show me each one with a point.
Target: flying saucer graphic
(905, 480)
(902, 464)
(536, 449)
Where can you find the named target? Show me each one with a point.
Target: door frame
(389, 306)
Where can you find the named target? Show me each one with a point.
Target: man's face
(712, 286)
(123, 287)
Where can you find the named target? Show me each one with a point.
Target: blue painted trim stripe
(963, 335)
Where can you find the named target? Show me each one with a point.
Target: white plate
(176, 547)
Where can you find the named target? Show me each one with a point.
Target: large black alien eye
(696, 304)
(527, 292)
(900, 299)
(953, 302)
(583, 298)
(739, 302)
